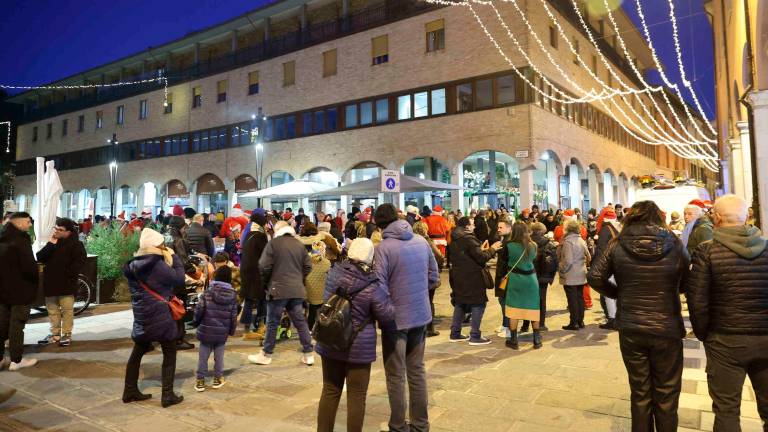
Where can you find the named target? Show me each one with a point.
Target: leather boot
(536, 339)
(131, 391)
(431, 330)
(610, 325)
(512, 341)
(134, 395)
(168, 373)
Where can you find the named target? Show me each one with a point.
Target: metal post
(113, 175)
(258, 124)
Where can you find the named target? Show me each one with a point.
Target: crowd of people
(350, 273)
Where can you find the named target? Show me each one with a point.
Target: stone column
(457, 196)
(553, 184)
(607, 190)
(594, 188)
(526, 188)
(574, 186)
(759, 101)
(738, 168)
(746, 159)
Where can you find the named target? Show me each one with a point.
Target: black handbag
(487, 278)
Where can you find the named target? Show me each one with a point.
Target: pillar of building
(621, 197)
(746, 158)
(553, 186)
(759, 102)
(737, 171)
(526, 188)
(574, 186)
(457, 196)
(608, 196)
(594, 188)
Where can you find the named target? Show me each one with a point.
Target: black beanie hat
(189, 212)
(355, 210)
(385, 214)
(223, 274)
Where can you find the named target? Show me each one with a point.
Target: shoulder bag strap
(516, 263)
(152, 292)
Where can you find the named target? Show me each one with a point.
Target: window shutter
(435, 25)
(196, 91)
(221, 86)
(170, 98)
(329, 63)
(253, 77)
(379, 46)
(289, 73)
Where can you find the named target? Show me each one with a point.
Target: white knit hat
(150, 238)
(361, 250)
(412, 209)
(324, 226)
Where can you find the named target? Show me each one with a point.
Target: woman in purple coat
(370, 301)
(155, 271)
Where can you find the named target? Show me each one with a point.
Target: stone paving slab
(577, 382)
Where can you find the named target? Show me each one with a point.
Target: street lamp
(113, 174)
(545, 158)
(257, 124)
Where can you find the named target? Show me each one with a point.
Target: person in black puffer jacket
(647, 261)
(180, 246)
(199, 238)
(727, 293)
(369, 302)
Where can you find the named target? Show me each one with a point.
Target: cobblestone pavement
(577, 382)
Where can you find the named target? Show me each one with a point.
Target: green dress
(522, 301)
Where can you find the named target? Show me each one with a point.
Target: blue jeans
(459, 310)
(295, 309)
(247, 316)
(218, 360)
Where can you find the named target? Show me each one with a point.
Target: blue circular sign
(390, 183)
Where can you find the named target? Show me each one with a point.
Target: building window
(484, 93)
(290, 126)
(382, 110)
(197, 97)
(143, 108)
(505, 89)
(380, 49)
(64, 127)
(306, 124)
(350, 116)
(420, 104)
(404, 107)
(253, 82)
(594, 64)
(221, 91)
(48, 131)
(329, 63)
(120, 114)
(366, 113)
(438, 101)
(34, 134)
(289, 73)
(332, 118)
(435, 35)
(168, 104)
(319, 126)
(464, 97)
(575, 51)
(99, 119)
(81, 123)
(553, 36)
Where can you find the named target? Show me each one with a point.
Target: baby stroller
(197, 280)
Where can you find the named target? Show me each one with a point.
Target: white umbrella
(50, 204)
(296, 188)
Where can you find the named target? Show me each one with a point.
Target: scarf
(166, 253)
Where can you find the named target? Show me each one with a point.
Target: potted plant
(114, 248)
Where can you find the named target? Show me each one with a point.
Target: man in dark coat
(350, 232)
(180, 246)
(199, 238)
(64, 257)
(481, 226)
(468, 261)
(727, 294)
(252, 289)
(18, 288)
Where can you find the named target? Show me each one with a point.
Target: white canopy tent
(373, 185)
(296, 188)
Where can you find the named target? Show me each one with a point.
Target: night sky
(45, 40)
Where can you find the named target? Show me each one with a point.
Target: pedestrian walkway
(577, 382)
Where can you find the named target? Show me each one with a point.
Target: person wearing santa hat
(569, 214)
(236, 218)
(698, 225)
(439, 228)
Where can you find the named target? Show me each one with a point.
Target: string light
(682, 149)
(160, 79)
(8, 137)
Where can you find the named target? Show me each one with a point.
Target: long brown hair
(521, 234)
(644, 213)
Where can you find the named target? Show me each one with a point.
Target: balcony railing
(390, 11)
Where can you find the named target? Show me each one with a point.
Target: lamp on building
(545, 158)
(113, 174)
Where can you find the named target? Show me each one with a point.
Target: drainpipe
(751, 115)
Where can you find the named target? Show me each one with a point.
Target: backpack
(333, 326)
(548, 260)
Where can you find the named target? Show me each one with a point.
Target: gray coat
(573, 259)
(283, 265)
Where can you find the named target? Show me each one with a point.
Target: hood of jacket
(399, 229)
(222, 293)
(10, 231)
(308, 240)
(647, 242)
(285, 230)
(351, 276)
(745, 241)
(460, 233)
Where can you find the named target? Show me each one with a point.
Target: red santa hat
(121, 216)
(609, 213)
(569, 214)
(237, 206)
(438, 210)
(698, 203)
(177, 210)
(708, 204)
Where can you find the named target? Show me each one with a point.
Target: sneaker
(66, 340)
(459, 338)
(261, 358)
(502, 333)
(308, 359)
(24, 363)
(49, 340)
(479, 341)
(4, 363)
(200, 385)
(218, 382)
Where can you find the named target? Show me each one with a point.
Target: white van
(672, 199)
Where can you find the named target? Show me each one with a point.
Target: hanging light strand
(160, 79)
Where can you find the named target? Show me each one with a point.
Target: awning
(407, 184)
(296, 188)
